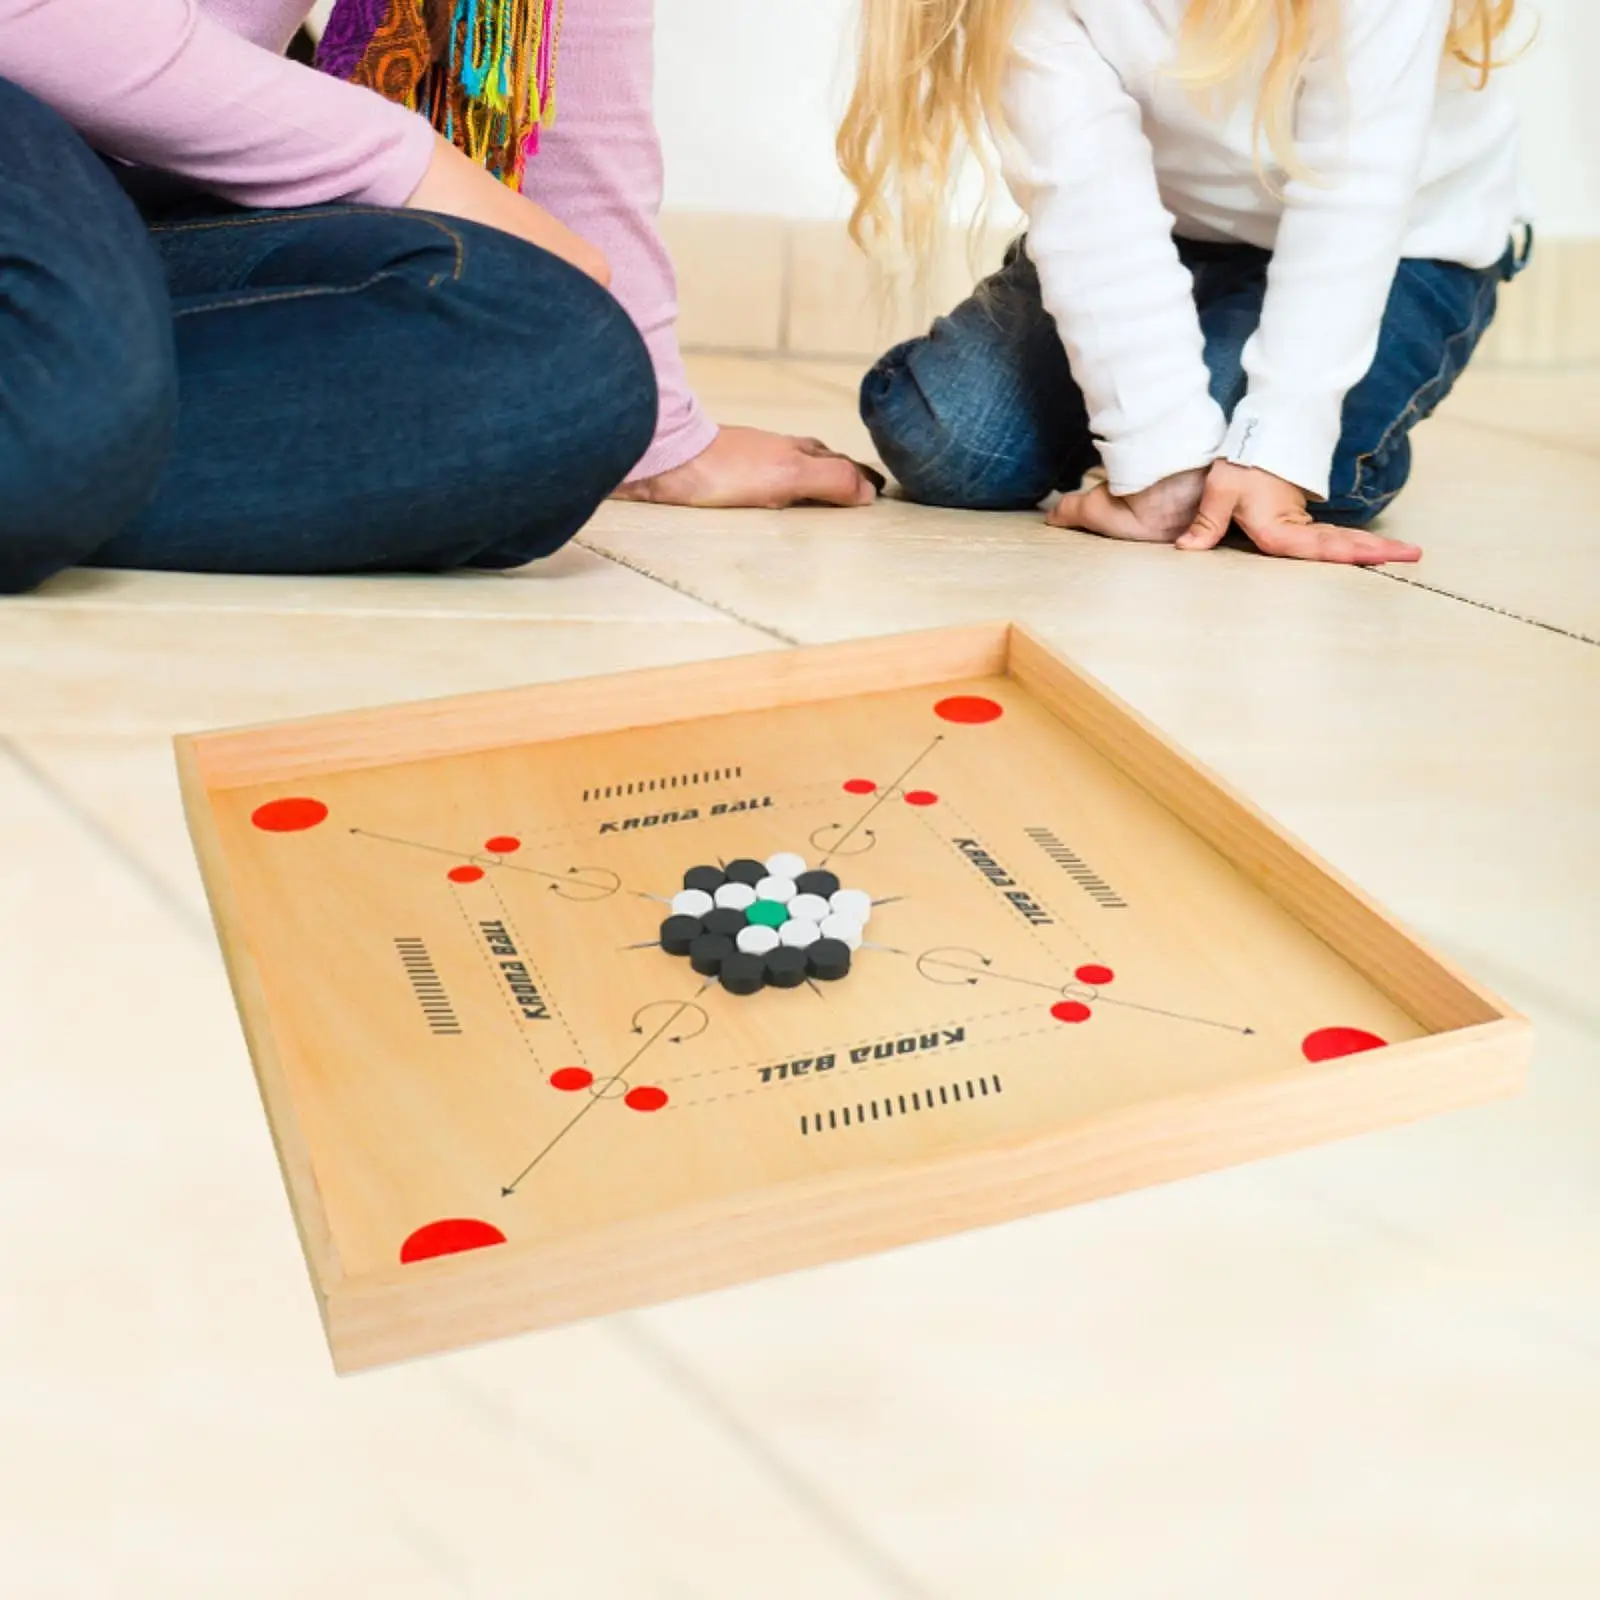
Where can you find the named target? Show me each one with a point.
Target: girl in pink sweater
(256, 318)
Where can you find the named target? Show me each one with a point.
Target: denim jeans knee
(605, 433)
(982, 413)
(1437, 313)
(953, 430)
(85, 346)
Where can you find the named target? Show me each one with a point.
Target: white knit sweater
(1110, 155)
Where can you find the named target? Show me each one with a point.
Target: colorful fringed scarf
(483, 71)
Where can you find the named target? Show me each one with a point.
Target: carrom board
(500, 1104)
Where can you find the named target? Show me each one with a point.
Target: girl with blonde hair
(1264, 238)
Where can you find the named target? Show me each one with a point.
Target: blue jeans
(982, 413)
(338, 389)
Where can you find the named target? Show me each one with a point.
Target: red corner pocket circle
(1328, 1044)
(971, 708)
(292, 815)
(449, 1237)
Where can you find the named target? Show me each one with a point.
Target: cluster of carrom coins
(759, 923)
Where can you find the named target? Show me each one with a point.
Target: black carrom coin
(743, 974)
(746, 871)
(786, 967)
(724, 920)
(706, 879)
(820, 882)
(828, 959)
(708, 952)
(679, 933)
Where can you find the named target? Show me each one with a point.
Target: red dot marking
(1328, 1044)
(288, 816)
(1095, 975)
(571, 1079)
(1070, 1011)
(860, 786)
(645, 1098)
(922, 797)
(502, 844)
(969, 708)
(464, 874)
(449, 1237)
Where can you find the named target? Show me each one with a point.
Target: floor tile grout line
(878, 1563)
(1485, 605)
(678, 588)
(191, 920)
(142, 607)
(788, 639)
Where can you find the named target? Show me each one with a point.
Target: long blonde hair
(929, 83)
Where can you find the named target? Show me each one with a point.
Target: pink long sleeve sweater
(201, 88)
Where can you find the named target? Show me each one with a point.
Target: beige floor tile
(1423, 745)
(724, 383)
(137, 671)
(169, 1423)
(1505, 521)
(1561, 408)
(814, 574)
(575, 585)
(842, 377)
(125, 788)
(93, 699)
(1228, 1390)
(1369, 1369)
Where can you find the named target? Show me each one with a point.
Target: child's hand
(1272, 512)
(1157, 515)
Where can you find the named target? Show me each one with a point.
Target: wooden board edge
(288, 1139)
(463, 1301)
(1392, 957)
(644, 697)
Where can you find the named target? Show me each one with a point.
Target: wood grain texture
(288, 1138)
(1392, 958)
(542, 712)
(451, 985)
(449, 1304)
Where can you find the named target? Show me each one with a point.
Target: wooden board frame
(1476, 1047)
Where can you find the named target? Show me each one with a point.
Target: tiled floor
(1371, 1370)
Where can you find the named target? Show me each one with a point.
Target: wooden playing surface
(495, 1094)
